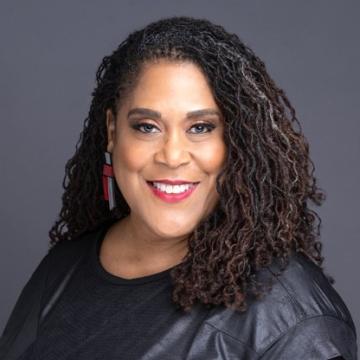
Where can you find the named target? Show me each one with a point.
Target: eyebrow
(157, 114)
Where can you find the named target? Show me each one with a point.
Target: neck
(134, 247)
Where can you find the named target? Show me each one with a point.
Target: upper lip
(173, 182)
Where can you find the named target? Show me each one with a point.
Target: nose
(174, 150)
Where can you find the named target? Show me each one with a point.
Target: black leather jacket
(302, 317)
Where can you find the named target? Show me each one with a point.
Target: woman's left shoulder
(308, 290)
(301, 315)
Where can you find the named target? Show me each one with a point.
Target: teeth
(169, 189)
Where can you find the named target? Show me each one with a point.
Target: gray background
(49, 54)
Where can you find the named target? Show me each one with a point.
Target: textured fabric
(100, 316)
(89, 313)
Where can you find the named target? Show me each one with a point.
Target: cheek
(130, 157)
(128, 163)
(212, 157)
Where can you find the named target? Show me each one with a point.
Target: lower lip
(172, 198)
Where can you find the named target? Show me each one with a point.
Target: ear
(110, 125)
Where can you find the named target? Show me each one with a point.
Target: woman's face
(159, 133)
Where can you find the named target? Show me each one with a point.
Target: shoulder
(57, 262)
(64, 257)
(65, 252)
(53, 267)
(300, 301)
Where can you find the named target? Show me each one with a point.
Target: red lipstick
(174, 181)
(172, 198)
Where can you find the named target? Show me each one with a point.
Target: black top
(103, 316)
(87, 313)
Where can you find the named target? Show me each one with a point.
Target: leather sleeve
(22, 325)
(25, 308)
(316, 338)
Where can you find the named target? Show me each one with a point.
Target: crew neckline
(114, 279)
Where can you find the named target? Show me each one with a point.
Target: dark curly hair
(264, 187)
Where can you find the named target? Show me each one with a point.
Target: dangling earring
(108, 181)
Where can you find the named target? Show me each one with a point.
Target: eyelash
(209, 126)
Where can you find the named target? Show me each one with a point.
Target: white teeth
(169, 189)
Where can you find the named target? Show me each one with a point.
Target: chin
(172, 230)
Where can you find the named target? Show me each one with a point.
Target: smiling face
(159, 133)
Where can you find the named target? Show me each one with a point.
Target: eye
(203, 125)
(145, 126)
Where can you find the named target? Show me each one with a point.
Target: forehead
(169, 84)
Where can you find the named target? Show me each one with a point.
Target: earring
(108, 181)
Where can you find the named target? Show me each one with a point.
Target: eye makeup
(207, 125)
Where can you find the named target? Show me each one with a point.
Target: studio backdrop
(49, 53)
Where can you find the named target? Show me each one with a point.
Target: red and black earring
(108, 181)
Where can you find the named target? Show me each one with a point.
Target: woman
(185, 231)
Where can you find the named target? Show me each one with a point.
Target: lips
(173, 182)
(171, 198)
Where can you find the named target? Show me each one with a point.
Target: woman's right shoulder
(63, 249)
(49, 272)
(64, 254)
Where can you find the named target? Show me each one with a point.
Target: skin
(154, 236)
